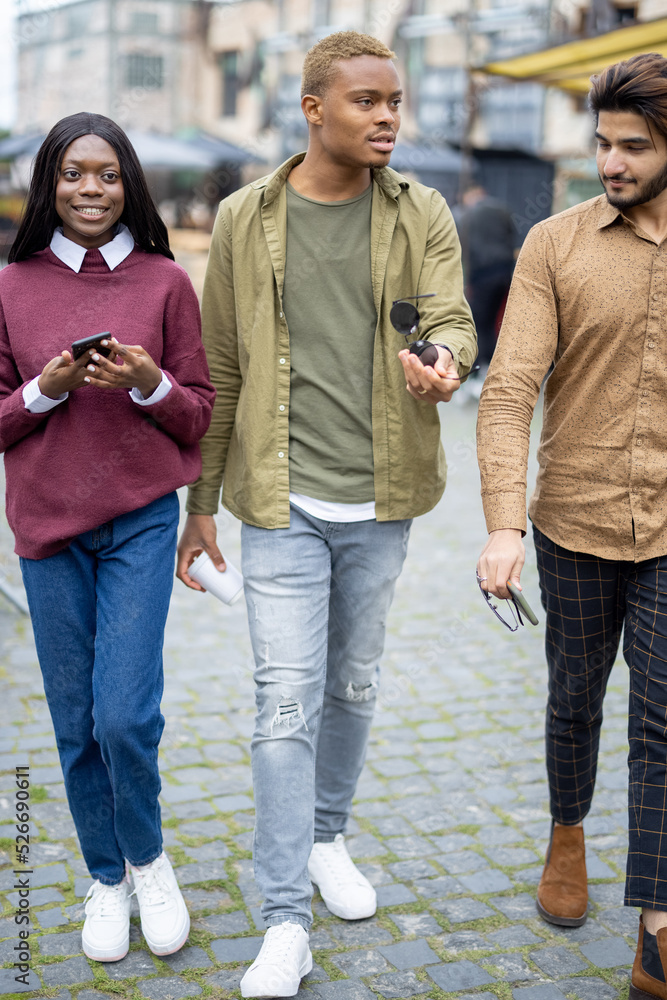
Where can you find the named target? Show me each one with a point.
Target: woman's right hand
(62, 374)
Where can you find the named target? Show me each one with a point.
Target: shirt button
(281, 454)
(282, 360)
(281, 315)
(645, 392)
(281, 407)
(639, 442)
(655, 296)
(651, 344)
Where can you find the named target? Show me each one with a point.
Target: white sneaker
(285, 957)
(345, 891)
(106, 930)
(165, 921)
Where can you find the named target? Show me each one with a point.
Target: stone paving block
(224, 924)
(342, 989)
(51, 918)
(192, 810)
(453, 842)
(608, 953)
(214, 851)
(511, 856)
(586, 988)
(60, 944)
(528, 876)
(181, 793)
(392, 895)
(360, 933)
(621, 920)
(375, 873)
(244, 840)
(365, 846)
(205, 871)
(558, 961)
(38, 897)
(510, 966)
(187, 958)
(393, 826)
(42, 854)
(91, 995)
(410, 847)
(204, 828)
(356, 964)
(519, 907)
(136, 963)
(168, 989)
(230, 803)
(409, 954)
(81, 885)
(412, 869)
(463, 941)
(436, 731)
(317, 975)
(491, 880)
(546, 992)
(321, 940)
(181, 757)
(498, 836)
(459, 976)
(8, 982)
(513, 937)
(462, 861)
(258, 920)
(394, 767)
(607, 894)
(437, 888)
(227, 979)
(460, 911)
(67, 973)
(597, 868)
(399, 984)
(8, 949)
(223, 753)
(590, 931)
(410, 924)
(236, 949)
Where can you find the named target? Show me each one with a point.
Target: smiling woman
(95, 448)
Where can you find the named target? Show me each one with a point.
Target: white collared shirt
(72, 254)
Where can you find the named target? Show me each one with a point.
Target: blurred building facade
(233, 70)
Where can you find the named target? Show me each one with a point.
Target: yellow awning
(570, 66)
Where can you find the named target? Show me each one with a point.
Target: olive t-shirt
(331, 317)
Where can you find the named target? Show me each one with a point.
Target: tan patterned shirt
(590, 295)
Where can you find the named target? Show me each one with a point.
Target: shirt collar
(72, 254)
(608, 213)
(389, 180)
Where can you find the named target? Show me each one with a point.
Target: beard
(644, 192)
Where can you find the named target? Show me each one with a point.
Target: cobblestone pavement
(450, 820)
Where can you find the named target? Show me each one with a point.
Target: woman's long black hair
(39, 218)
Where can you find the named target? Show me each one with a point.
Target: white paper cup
(227, 586)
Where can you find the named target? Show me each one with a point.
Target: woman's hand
(62, 374)
(137, 369)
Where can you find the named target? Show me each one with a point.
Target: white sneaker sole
(102, 954)
(176, 942)
(286, 991)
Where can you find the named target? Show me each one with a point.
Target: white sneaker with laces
(165, 921)
(345, 891)
(284, 959)
(106, 930)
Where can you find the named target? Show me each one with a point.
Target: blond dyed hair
(320, 62)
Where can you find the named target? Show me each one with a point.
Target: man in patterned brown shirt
(589, 297)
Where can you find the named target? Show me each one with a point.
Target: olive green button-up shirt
(414, 249)
(590, 295)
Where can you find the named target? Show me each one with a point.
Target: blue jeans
(318, 594)
(98, 612)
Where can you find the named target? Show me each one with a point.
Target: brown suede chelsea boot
(650, 966)
(562, 895)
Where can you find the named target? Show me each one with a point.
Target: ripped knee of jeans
(360, 692)
(289, 711)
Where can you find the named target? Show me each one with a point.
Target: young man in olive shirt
(325, 458)
(589, 297)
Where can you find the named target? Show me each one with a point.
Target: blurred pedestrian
(589, 297)
(326, 459)
(488, 241)
(95, 448)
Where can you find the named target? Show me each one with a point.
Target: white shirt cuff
(35, 401)
(155, 397)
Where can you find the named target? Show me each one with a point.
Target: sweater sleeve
(16, 420)
(185, 412)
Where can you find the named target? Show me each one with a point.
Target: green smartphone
(522, 603)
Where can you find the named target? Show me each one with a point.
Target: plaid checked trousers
(589, 602)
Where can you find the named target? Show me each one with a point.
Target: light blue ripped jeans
(318, 594)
